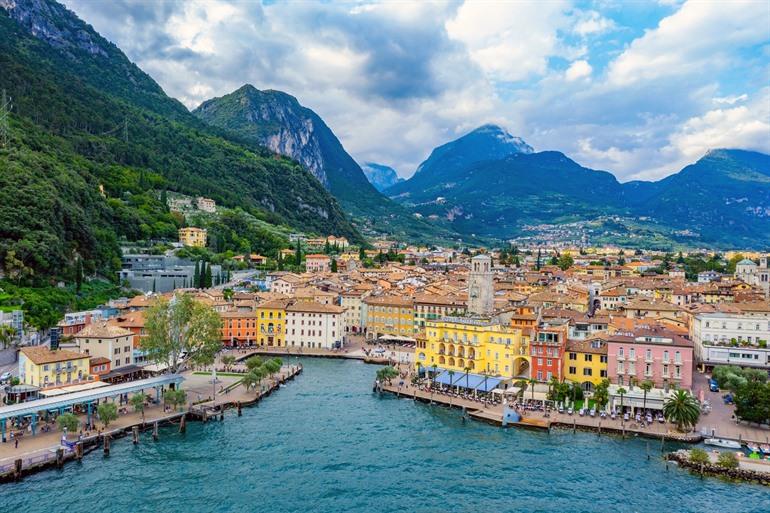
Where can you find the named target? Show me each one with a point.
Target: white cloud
(511, 41)
(694, 40)
(731, 100)
(578, 69)
(745, 126)
(593, 23)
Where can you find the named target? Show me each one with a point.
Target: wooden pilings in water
(155, 431)
(79, 451)
(106, 445)
(135, 433)
(59, 457)
(17, 469)
(183, 423)
(240, 411)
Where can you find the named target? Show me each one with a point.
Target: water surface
(325, 443)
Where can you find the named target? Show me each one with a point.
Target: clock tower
(481, 294)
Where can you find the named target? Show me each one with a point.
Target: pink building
(317, 263)
(653, 354)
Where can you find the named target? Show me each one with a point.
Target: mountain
(380, 176)
(490, 184)
(724, 197)
(93, 142)
(448, 162)
(279, 122)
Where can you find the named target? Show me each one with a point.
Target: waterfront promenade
(202, 394)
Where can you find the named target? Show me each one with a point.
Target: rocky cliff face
(380, 176)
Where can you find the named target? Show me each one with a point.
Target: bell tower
(481, 294)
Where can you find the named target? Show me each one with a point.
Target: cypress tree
(334, 265)
(298, 254)
(153, 284)
(208, 276)
(361, 254)
(196, 274)
(202, 275)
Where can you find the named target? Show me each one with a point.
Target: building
(474, 345)
(317, 263)
(389, 315)
(14, 319)
(585, 362)
(707, 276)
(101, 339)
(239, 328)
(650, 354)
(547, 348)
(313, 325)
(481, 292)
(195, 237)
(43, 367)
(206, 204)
(431, 307)
(753, 274)
(353, 303)
(271, 321)
(723, 338)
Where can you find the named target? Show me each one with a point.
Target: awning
(470, 381)
(122, 371)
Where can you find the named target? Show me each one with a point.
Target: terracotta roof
(313, 307)
(40, 355)
(103, 330)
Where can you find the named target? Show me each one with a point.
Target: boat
(752, 447)
(721, 442)
(764, 449)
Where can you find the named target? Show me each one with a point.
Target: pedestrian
(16, 444)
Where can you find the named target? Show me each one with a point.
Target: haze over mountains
(380, 176)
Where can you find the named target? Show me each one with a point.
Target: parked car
(5, 377)
(713, 385)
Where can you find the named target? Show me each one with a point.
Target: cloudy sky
(636, 88)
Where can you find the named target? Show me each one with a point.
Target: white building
(313, 325)
(481, 292)
(731, 339)
(753, 274)
(353, 303)
(111, 342)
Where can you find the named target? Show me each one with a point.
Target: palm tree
(646, 386)
(7, 335)
(621, 392)
(532, 382)
(451, 379)
(433, 377)
(467, 377)
(682, 409)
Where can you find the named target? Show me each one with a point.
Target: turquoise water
(327, 444)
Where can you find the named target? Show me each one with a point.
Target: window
(573, 370)
(588, 357)
(573, 356)
(587, 372)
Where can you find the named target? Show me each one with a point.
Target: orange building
(239, 328)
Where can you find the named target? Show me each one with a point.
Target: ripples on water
(325, 443)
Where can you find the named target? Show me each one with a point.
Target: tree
(682, 409)
(68, 422)
(78, 275)
(196, 275)
(207, 278)
(532, 382)
(175, 398)
(727, 459)
(646, 386)
(7, 335)
(107, 412)
(699, 456)
(202, 275)
(621, 392)
(249, 381)
(601, 393)
(298, 254)
(334, 265)
(361, 254)
(228, 360)
(253, 363)
(386, 374)
(565, 261)
(137, 401)
(181, 331)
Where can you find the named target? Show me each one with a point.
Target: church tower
(481, 294)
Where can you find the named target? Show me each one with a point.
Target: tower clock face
(474, 291)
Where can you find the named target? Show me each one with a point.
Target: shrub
(727, 460)
(698, 456)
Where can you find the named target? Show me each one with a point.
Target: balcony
(677, 377)
(666, 361)
(621, 358)
(679, 363)
(648, 374)
(649, 360)
(621, 372)
(632, 358)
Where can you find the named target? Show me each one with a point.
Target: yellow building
(271, 322)
(585, 362)
(41, 367)
(476, 345)
(389, 315)
(195, 237)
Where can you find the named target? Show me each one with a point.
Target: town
(528, 336)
